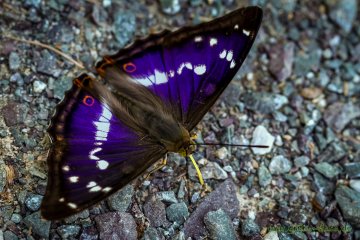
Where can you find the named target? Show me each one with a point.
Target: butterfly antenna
(197, 169)
(229, 145)
(53, 49)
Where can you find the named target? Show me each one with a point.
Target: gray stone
(219, 225)
(33, 3)
(281, 60)
(61, 85)
(224, 197)
(264, 176)
(152, 234)
(273, 235)
(301, 161)
(279, 165)
(328, 170)
(263, 102)
(38, 225)
(177, 212)
(322, 184)
(212, 170)
(124, 26)
(332, 153)
(33, 202)
(261, 136)
(338, 115)
(343, 12)
(355, 184)
(16, 218)
(9, 235)
(170, 6)
(154, 210)
(68, 231)
(166, 197)
(17, 78)
(14, 61)
(352, 169)
(116, 225)
(349, 202)
(121, 200)
(305, 62)
(39, 86)
(46, 64)
(249, 228)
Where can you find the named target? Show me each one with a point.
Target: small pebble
(219, 225)
(14, 61)
(279, 164)
(261, 136)
(177, 212)
(39, 86)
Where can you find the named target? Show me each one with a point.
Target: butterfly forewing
(94, 155)
(191, 67)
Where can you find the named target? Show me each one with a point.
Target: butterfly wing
(94, 154)
(191, 67)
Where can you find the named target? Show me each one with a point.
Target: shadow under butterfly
(155, 92)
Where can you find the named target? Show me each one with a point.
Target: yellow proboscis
(197, 169)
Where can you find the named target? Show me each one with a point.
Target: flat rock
(38, 225)
(343, 12)
(261, 136)
(223, 197)
(154, 210)
(338, 115)
(349, 202)
(116, 225)
(219, 225)
(281, 60)
(121, 200)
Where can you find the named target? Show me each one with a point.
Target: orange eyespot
(129, 67)
(88, 100)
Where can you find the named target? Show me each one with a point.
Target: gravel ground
(298, 91)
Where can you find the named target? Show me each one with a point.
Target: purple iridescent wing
(94, 154)
(191, 67)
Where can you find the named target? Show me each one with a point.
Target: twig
(55, 50)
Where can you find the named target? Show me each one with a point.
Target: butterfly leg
(160, 166)
(197, 169)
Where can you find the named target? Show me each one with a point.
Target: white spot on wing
(200, 69)
(222, 54)
(171, 73)
(106, 112)
(236, 26)
(95, 189)
(198, 39)
(72, 205)
(213, 41)
(66, 168)
(229, 55)
(107, 189)
(247, 33)
(232, 64)
(102, 126)
(101, 134)
(74, 179)
(102, 164)
(91, 184)
(62, 199)
(92, 153)
(188, 65)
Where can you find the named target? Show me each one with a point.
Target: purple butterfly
(155, 92)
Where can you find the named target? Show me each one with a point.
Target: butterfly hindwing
(191, 67)
(94, 154)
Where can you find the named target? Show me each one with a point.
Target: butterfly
(152, 94)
